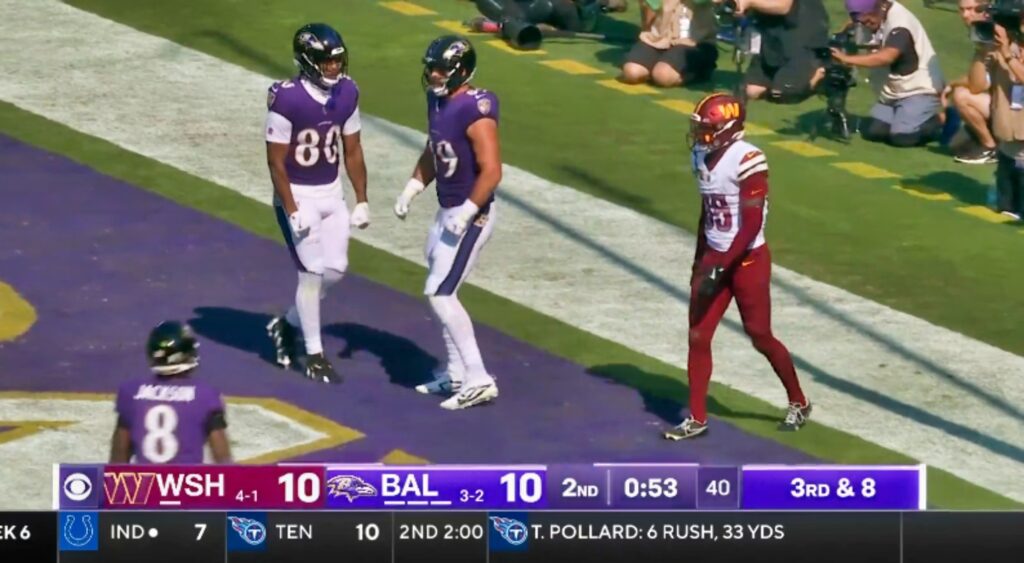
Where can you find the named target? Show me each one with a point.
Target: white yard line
(939, 396)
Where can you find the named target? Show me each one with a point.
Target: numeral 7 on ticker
(202, 530)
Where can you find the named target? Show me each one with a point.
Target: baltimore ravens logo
(484, 105)
(511, 530)
(310, 40)
(456, 49)
(350, 487)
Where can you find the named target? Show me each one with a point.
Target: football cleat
(284, 337)
(471, 396)
(442, 384)
(319, 369)
(796, 417)
(687, 429)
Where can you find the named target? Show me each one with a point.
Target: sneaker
(1011, 215)
(442, 384)
(796, 417)
(976, 154)
(689, 428)
(471, 396)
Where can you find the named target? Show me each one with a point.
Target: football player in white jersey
(732, 258)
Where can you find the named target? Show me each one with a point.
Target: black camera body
(725, 13)
(1007, 13)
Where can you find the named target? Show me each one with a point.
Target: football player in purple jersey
(169, 417)
(463, 156)
(307, 117)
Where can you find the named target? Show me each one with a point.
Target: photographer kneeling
(785, 39)
(1005, 66)
(907, 74)
(677, 44)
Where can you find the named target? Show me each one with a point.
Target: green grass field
(922, 257)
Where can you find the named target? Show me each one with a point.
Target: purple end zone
(103, 261)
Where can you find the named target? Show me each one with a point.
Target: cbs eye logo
(77, 487)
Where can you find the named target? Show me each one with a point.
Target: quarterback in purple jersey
(169, 417)
(463, 156)
(306, 118)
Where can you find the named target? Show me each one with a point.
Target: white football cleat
(442, 384)
(471, 396)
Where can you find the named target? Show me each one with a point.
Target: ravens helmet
(316, 46)
(450, 62)
(172, 348)
(716, 122)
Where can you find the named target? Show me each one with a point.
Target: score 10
(514, 489)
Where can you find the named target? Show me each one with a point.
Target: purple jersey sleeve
(484, 105)
(122, 406)
(277, 102)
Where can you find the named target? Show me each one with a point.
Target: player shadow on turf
(665, 396)
(242, 330)
(961, 187)
(405, 362)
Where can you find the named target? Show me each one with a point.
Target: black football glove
(711, 282)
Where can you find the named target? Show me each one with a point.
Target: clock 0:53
(651, 487)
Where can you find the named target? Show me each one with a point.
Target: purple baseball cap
(861, 6)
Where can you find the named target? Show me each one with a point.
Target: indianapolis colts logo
(87, 530)
(511, 530)
(251, 531)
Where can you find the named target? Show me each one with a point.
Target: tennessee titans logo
(251, 531)
(511, 530)
(350, 487)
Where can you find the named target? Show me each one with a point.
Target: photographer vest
(679, 23)
(927, 79)
(1007, 123)
(785, 37)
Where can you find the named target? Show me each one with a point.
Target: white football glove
(412, 189)
(298, 225)
(457, 222)
(360, 217)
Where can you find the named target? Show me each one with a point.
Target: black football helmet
(172, 348)
(314, 45)
(454, 58)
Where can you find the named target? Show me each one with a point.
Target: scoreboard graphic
(604, 513)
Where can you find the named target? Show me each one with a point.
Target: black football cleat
(284, 337)
(796, 417)
(319, 369)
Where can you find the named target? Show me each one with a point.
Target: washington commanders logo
(731, 111)
(128, 488)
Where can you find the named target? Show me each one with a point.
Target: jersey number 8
(160, 444)
(308, 149)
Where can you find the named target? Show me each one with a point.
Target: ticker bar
(510, 536)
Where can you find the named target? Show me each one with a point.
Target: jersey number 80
(308, 148)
